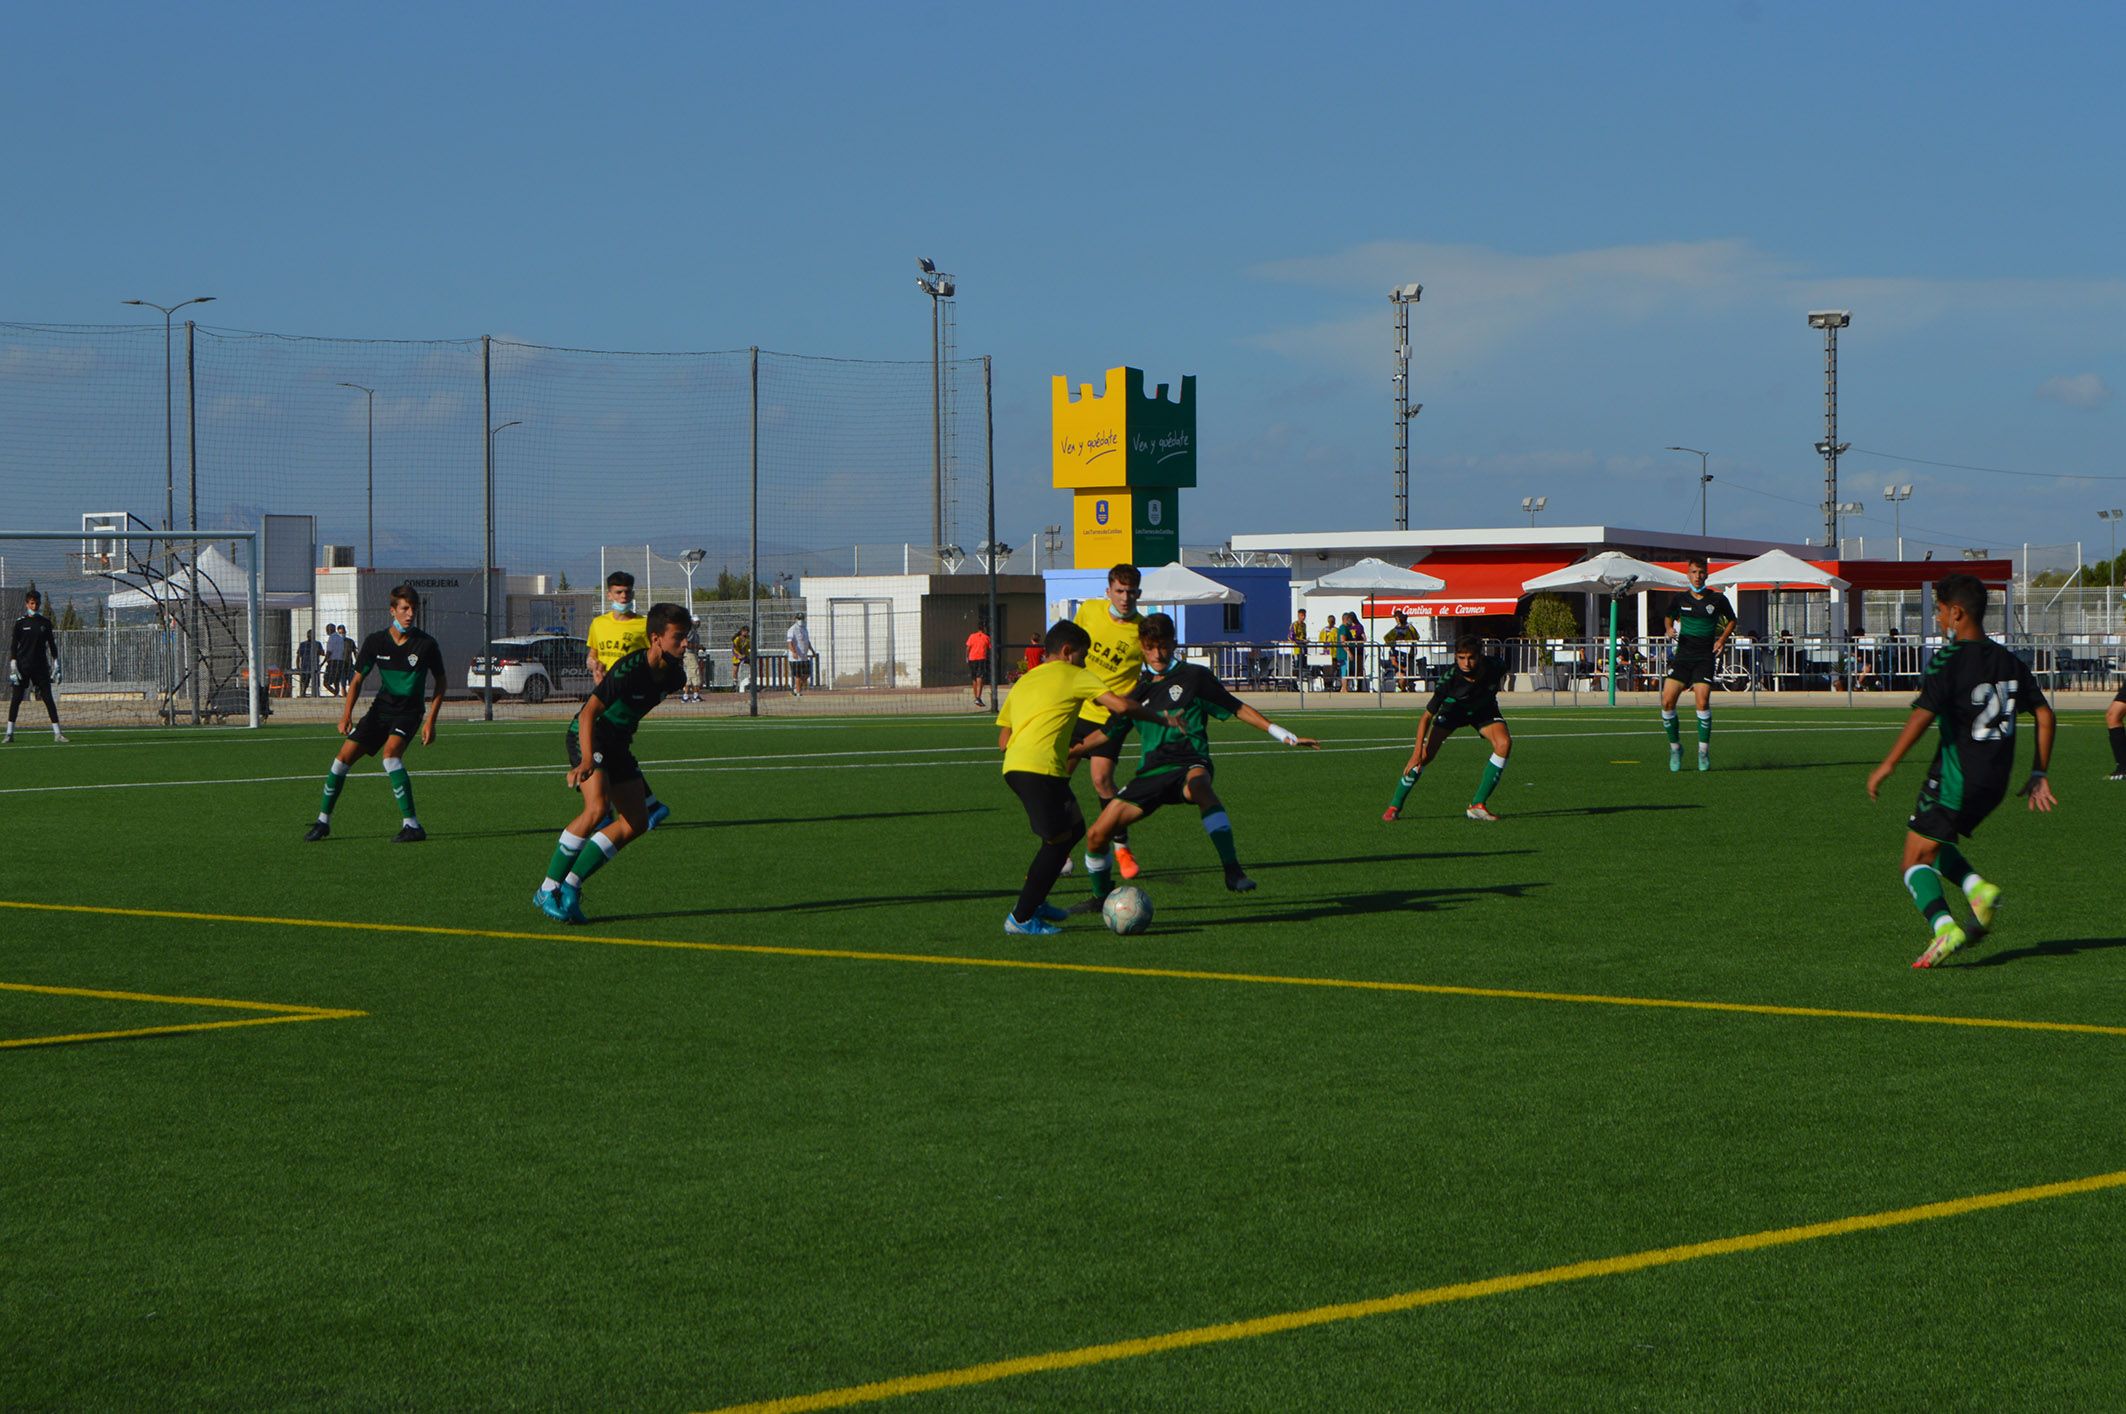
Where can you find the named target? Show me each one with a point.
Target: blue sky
(1620, 214)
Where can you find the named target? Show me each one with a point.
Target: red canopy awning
(1478, 581)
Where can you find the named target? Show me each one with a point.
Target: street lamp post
(370, 558)
(1705, 480)
(1533, 504)
(1897, 496)
(2111, 518)
(169, 476)
(939, 286)
(690, 562)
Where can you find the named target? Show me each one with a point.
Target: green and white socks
(590, 859)
(557, 868)
(1404, 786)
(1675, 740)
(335, 782)
(394, 771)
(401, 789)
(1924, 882)
(1493, 769)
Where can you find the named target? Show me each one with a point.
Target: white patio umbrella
(1374, 577)
(1177, 584)
(1613, 573)
(1778, 569)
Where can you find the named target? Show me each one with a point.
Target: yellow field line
(283, 1011)
(1098, 969)
(1411, 1300)
(166, 1001)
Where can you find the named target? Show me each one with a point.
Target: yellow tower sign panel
(1125, 455)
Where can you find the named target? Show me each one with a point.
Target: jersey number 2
(1996, 711)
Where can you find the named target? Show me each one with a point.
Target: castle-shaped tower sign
(1125, 456)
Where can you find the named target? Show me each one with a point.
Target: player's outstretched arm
(1261, 723)
(1130, 707)
(2039, 786)
(1003, 738)
(1915, 727)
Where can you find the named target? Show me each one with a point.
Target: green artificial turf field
(793, 1116)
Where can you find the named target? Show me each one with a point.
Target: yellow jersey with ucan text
(613, 638)
(1116, 657)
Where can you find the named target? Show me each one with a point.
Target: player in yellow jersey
(613, 635)
(1117, 660)
(1036, 739)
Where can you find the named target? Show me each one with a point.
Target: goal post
(153, 626)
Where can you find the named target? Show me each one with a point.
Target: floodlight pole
(487, 579)
(1830, 321)
(938, 285)
(989, 455)
(1402, 297)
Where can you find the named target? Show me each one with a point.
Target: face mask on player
(622, 604)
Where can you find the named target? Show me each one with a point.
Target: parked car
(534, 667)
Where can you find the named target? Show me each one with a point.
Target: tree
(562, 588)
(1549, 617)
(68, 619)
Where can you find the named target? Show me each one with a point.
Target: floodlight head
(1541, 501)
(1851, 508)
(926, 266)
(1407, 294)
(693, 557)
(945, 288)
(1830, 318)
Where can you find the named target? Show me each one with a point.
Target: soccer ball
(1128, 910)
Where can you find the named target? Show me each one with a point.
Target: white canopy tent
(1177, 584)
(1612, 573)
(221, 581)
(1372, 577)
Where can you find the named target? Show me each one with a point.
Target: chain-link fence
(522, 474)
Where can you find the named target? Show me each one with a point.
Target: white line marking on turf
(815, 760)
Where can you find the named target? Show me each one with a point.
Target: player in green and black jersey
(601, 761)
(1975, 687)
(404, 659)
(1467, 697)
(1176, 764)
(1701, 623)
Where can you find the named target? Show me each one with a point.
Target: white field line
(814, 760)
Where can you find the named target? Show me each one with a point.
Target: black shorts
(378, 726)
(1051, 805)
(1447, 723)
(2122, 693)
(1148, 793)
(978, 669)
(1939, 822)
(1117, 729)
(617, 761)
(1692, 670)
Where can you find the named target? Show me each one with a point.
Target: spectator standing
(978, 660)
(335, 658)
(309, 660)
(799, 639)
